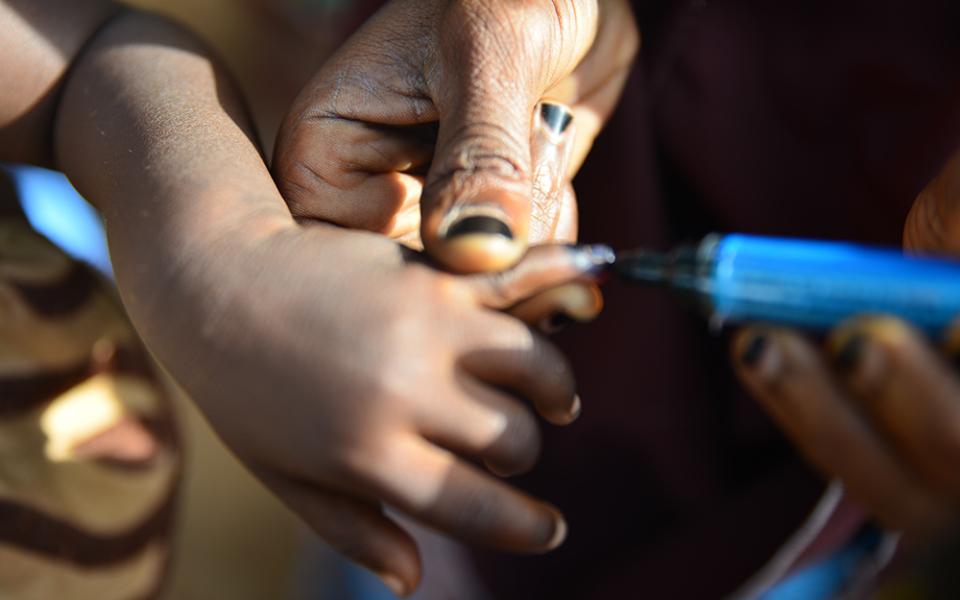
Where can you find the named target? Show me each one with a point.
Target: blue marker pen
(803, 283)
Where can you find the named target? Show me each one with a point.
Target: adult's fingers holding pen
(793, 381)
(908, 392)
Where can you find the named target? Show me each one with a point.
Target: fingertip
(477, 252)
(396, 585)
(560, 532)
(566, 416)
(756, 354)
(402, 577)
(865, 349)
(480, 235)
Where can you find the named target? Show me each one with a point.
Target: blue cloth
(830, 576)
(58, 212)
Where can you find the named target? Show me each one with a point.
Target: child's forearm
(153, 132)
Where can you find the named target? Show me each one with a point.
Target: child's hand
(438, 98)
(339, 367)
(349, 376)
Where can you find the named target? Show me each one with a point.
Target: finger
(786, 374)
(908, 392)
(439, 490)
(477, 199)
(515, 357)
(542, 268)
(552, 141)
(556, 308)
(486, 424)
(354, 174)
(357, 529)
(594, 88)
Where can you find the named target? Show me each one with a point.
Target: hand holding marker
(874, 406)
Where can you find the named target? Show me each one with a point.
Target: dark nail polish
(754, 350)
(955, 361)
(556, 117)
(480, 225)
(850, 354)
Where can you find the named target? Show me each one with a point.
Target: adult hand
(430, 123)
(879, 406)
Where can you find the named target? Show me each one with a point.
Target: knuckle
(360, 460)
(555, 369)
(485, 149)
(522, 441)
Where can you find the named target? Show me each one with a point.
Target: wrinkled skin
(428, 115)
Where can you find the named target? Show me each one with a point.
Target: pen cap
(816, 285)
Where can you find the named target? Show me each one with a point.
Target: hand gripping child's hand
(443, 99)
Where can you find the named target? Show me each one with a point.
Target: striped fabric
(89, 463)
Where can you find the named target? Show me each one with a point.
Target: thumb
(477, 201)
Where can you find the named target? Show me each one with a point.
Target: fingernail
(596, 258)
(394, 583)
(858, 355)
(577, 408)
(555, 117)
(556, 322)
(479, 225)
(753, 350)
(559, 533)
(850, 354)
(761, 356)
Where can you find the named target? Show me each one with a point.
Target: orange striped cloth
(89, 460)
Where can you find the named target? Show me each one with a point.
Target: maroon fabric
(812, 117)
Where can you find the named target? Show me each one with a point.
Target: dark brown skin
(878, 406)
(341, 368)
(357, 147)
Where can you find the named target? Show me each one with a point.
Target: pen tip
(643, 266)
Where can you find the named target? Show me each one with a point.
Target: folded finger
(786, 374)
(354, 174)
(553, 309)
(908, 391)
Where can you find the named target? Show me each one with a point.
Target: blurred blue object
(830, 577)
(58, 212)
